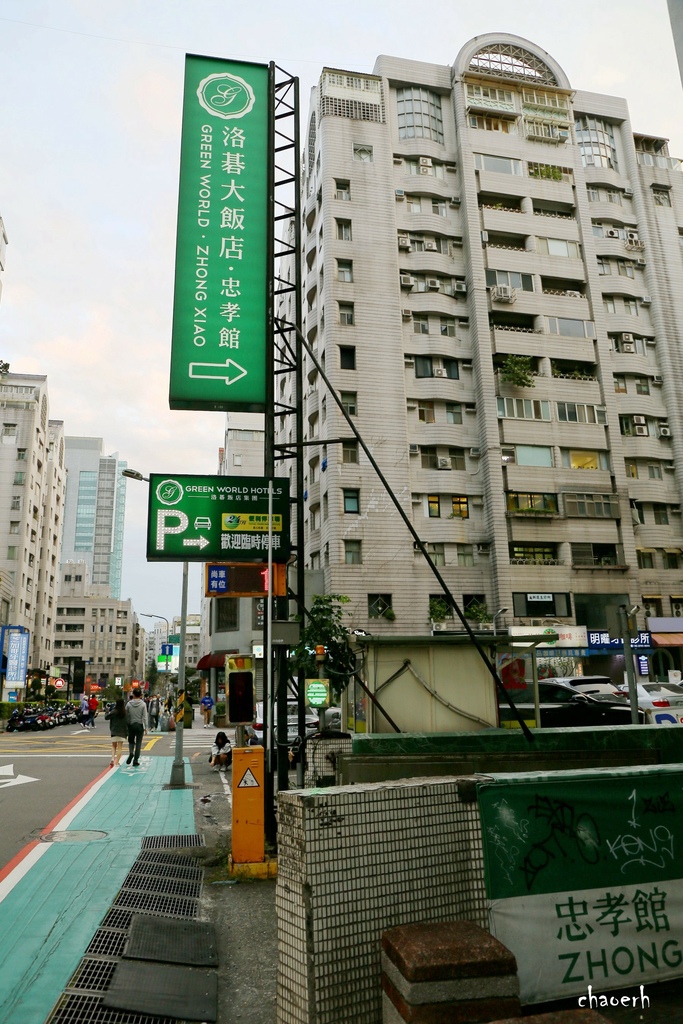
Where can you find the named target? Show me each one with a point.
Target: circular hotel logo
(169, 492)
(225, 95)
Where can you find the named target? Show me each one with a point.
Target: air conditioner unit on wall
(414, 449)
(627, 337)
(611, 233)
(444, 463)
(656, 379)
(632, 236)
(439, 627)
(503, 293)
(628, 192)
(640, 431)
(430, 246)
(646, 300)
(664, 432)
(628, 346)
(425, 161)
(460, 287)
(403, 242)
(407, 314)
(433, 284)
(400, 193)
(475, 453)
(407, 281)
(639, 419)
(440, 372)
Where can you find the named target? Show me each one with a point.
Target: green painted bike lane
(48, 916)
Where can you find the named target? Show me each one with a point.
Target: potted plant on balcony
(516, 370)
(477, 614)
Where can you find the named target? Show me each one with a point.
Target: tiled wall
(353, 861)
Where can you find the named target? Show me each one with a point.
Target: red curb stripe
(24, 852)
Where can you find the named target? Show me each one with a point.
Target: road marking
(22, 862)
(150, 743)
(227, 787)
(8, 769)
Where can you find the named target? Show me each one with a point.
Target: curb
(259, 870)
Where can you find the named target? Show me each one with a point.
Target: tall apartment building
(95, 510)
(95, 633)
(492, 278)
(32, 489)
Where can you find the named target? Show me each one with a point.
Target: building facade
(492, 270)
(32, 490)
(96, 635)
(95, 510)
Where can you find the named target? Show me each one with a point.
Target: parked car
(662, 701)
(594, 685)
(563, 706)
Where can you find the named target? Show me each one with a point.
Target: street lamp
(501, 611)
(149, 615)
(177, 779)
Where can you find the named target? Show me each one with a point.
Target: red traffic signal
(240, 697)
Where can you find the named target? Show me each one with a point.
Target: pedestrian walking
(154, 710)
(118, 728)
(207, 702)
(136, 716)
(85, 711)
(92, 711)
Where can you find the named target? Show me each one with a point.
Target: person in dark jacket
(118, 728)
(136, 715)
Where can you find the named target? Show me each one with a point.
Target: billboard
(216, 518)
(17, 659)
(218, 349)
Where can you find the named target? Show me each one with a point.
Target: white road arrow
(198, 542)
(8, 769)
(229, 371)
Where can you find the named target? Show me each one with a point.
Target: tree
(152, 674)
(324, 625)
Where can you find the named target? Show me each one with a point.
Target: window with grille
(378, 605)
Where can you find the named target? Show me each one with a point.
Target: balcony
(537, 561)
(600, 565)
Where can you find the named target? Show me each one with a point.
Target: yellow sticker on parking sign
(254, 522)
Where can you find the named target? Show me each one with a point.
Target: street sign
(174, 638)
(167, 650)
(58, 684)
(318, 693)
(244, 580)
(216, 518)
(218, 354)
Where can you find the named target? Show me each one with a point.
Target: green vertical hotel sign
(218, 352)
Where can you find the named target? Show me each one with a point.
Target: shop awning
(215, 660)
(667, 639)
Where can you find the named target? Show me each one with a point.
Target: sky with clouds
(90, 111)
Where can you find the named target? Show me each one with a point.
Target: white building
(95, 634)
(32, 488)
(492, 280)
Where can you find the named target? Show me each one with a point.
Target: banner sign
(599, 639)
(216, 518)
(218, 350)
(17, 659)
(583, 877)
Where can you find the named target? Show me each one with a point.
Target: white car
(595, 685)
(663, 702)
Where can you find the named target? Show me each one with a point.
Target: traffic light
(240, 697)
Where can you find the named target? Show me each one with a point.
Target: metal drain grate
(93, 975)
(165, 906)
(163, 870)
(106, 942)
(77, 1009)
(116, 918)
(159, 884)
(162, 858)
(170, 842)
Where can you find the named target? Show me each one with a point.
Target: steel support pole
(178, 768)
